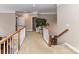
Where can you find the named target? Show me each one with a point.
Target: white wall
(68, 14)
(52, 20)
(7, 23)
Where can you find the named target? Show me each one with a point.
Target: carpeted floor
(34, 44)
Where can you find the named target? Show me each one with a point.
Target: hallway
(34, 44)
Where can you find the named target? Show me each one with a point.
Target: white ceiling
(29, 7)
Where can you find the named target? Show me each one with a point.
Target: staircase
(12, 43)
(52, 40)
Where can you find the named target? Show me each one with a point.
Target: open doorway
(34, 23)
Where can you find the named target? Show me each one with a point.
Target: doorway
(34, 23)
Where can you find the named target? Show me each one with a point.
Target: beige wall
(7, 23)
(26, 20)
(68, 15)
(52, 20)
(21, 21)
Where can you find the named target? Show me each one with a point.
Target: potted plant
(37, 24)
(40, 23)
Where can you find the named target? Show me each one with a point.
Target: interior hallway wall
(68, 17)
(7, 23)
(26, 20)
(52, 20)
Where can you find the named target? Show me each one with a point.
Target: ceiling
(41, 8)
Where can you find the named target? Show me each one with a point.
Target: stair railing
(13, 42)
(46, 36)
(55, 38)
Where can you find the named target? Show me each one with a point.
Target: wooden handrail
(62, 33)
(57, 36)
(4, 39)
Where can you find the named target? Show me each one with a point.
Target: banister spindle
(10, 45)
(0, 48)
(7, 46)
(4, 47)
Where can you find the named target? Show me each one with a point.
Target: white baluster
(7, 46)
(10, 45)
(4, 47)
(0, 49)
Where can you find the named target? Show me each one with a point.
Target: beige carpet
(34, 44)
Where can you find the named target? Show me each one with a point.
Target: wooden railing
(55, 38)
(48, 38)
(62, 33)
(12, 43)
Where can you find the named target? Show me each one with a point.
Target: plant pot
(37, 29)
(41, 31)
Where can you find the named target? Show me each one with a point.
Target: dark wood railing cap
(62, 33)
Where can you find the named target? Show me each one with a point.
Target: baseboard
(71, 47)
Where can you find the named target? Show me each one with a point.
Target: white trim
(7, 11)
(59, 5)
(42, 13)
(48, 13)
(71, 47)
